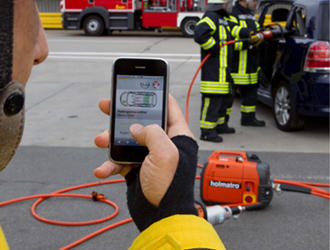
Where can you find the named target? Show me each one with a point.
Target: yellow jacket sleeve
(178, 232)
(3, 242)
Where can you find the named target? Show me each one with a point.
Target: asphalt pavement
(57, 151)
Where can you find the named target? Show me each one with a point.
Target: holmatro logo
(225, 184)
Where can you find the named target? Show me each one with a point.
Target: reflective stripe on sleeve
(209, 22)
(208, 44)
(235, 31)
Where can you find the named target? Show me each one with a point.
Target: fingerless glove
(179, 198)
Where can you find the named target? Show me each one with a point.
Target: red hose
(312, 186)
(59, 193)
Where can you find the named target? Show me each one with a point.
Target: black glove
(179, 198)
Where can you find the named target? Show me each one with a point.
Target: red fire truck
(99, 17)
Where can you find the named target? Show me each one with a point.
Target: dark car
(295, 67)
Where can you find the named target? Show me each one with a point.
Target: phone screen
(139, 99)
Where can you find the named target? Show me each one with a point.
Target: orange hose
(102, 230)
(192, 83)
(312, 186)
(59, 193)
(316, 184)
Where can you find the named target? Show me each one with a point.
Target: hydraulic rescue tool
(231, 177)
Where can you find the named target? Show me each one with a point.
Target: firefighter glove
(256, 39)
(179, 198)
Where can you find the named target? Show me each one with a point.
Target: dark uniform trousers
(248, 100)
(215, 110)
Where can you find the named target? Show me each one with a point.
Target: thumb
(138, 133)
(161, 148)
(151, 136)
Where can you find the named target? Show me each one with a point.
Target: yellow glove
(256, 39)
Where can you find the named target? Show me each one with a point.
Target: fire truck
(97, 17)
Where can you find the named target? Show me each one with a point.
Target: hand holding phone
(161, 151)
(139, 95)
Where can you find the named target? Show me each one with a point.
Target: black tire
(284, 109)
(188, 26)
(93, 26)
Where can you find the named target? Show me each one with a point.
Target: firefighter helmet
(215, 5)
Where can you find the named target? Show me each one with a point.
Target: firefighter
(159, 193)
(246, 67)
(215, 27)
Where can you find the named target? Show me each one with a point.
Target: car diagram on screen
(138, 99)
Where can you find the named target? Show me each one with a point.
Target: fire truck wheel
(188, 26)
(93, 26)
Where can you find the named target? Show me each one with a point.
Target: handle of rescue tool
(233, 153)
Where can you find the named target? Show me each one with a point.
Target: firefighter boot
(224, 129)
(210, 135)
(252, 121)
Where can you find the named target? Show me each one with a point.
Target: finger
(106, 169)
(109, 168)
(102, 140)
(153, 137)
(104, 105)
(176, 122)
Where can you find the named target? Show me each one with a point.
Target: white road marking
(109, 56)
(68, 58)
(94, 41)
(123, 54)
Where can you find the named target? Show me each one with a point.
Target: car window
(324, 22)
(277, 12)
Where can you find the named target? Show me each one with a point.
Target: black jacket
(246, 61)
(214, 29)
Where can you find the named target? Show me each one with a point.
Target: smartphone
(139, 93)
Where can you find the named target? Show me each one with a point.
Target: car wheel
(93, 26)
(188, 26)
(284, 108)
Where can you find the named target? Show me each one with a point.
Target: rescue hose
(303, 187)
(60, 193)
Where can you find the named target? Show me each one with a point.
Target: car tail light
(318, 57)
